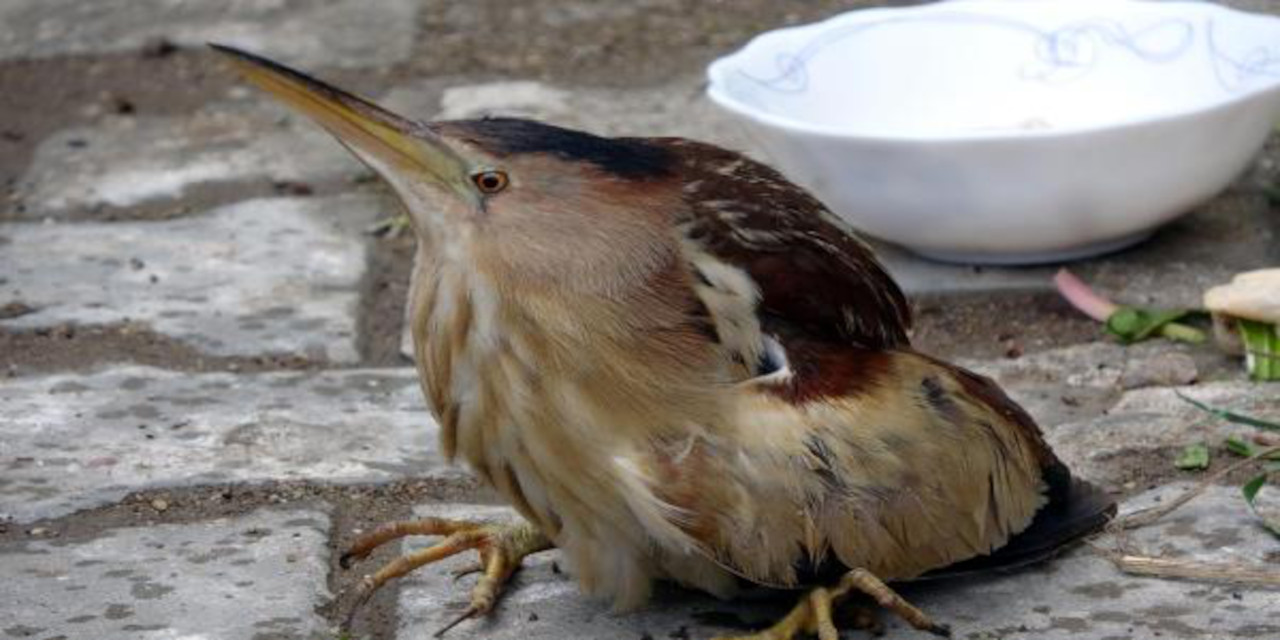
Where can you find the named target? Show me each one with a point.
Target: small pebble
(158, 47)
(159, 505)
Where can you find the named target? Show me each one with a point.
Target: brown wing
(923, 468)
(815, 276)
(1074, 508)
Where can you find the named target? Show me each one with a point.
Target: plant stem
(1177, 331)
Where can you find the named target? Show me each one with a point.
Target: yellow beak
(386, 141)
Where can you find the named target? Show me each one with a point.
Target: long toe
(501, 547)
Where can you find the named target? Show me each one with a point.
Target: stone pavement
(257, 576)
(203, 396)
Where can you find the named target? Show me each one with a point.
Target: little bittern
(677, 365)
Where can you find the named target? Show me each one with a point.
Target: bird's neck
(504, 366)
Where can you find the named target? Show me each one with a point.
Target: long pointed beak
(388, 142)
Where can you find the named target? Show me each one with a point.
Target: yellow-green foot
(812, 615)
(501, 547)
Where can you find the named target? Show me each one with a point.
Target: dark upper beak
(388, 142)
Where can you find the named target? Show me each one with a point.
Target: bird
(677, 365)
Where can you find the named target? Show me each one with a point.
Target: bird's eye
(490, 181)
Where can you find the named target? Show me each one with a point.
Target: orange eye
(490, 181)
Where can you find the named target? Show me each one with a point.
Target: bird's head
(533, 201)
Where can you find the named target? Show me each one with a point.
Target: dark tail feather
(1075, 509)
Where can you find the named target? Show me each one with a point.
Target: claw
(349, 558)
(469, 613)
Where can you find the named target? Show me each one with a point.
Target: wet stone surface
(1080, 595)
(78, 441)
(125, 161)
(345, 33)
(261, 276)
(256, 576)
(1156, 419)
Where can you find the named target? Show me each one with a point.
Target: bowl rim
(718, 69)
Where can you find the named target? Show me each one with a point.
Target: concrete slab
(1155, 419)
(315, 33)
(1083, 596)
(262, 276)
(1078, 595)
(78, 441)
(124, 161)
(257, 576)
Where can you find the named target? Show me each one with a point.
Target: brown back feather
(813, 273)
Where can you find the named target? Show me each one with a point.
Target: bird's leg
(501, 547)
(866, 582)
(813, 613)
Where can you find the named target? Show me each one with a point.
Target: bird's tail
(1075, 509)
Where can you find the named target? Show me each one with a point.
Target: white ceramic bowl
(1011, 131)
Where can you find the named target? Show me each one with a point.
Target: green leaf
(1195, 456)
(1125, 323)
(1262, 349)
(1252, 487)
(1230, 416)
(1134, 324)
(1183, 333)
(1250, 491)
(1245, 449)
(1239, 447)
